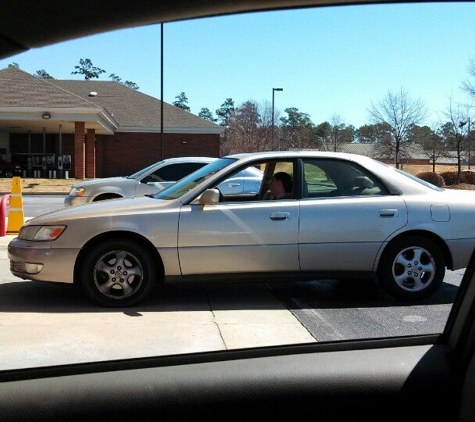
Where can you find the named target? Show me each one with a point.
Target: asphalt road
(34, 205)
(345, 310)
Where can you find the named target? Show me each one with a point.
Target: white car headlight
(76, 191)
(41, 233)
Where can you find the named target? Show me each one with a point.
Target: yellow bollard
(15, 214)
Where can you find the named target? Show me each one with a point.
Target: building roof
(413, 151)
(20, 89)
(24, 99)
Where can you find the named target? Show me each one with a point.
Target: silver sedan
(155, 178)
(342, 216)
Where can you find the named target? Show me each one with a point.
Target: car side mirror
(209, 196)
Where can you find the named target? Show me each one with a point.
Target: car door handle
(390, 212)
(279, 216)
(232, 185)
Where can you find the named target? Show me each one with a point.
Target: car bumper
(72, 201)
(461, 250)
(39, 262)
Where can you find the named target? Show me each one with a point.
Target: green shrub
(431, 177)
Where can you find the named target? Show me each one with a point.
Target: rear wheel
(412, 268)
(118, 273)
(8, 173)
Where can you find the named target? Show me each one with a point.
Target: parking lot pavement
(5, 274)
(54, 324)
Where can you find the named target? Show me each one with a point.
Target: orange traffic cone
(15, 214)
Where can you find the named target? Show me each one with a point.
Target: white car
(157, 177)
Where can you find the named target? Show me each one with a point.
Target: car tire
(412, 268)
(8, 173)
(118, 273)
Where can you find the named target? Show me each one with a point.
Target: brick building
(93, 128)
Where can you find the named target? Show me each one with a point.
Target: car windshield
(332, 248)
(194, 179)
(140, 173)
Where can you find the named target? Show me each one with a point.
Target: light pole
(272, 129)
(460, 145)
(469, 141)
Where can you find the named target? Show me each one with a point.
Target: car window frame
(276, 379)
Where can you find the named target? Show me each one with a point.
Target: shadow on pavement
(41, 297)
(346, 294)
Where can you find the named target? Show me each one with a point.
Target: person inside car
(281, 185)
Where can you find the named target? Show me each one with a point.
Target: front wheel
(411, 268)
(118, 273)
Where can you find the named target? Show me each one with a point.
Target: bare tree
(399, 112)
(249, 129)
(456, 131)
(467, 85)
(340, 133)
(430, 141)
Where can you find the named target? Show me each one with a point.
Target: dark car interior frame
(416, 378)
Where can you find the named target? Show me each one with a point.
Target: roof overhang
(52, 120)
(198, 130)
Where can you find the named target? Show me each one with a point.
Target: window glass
(317, 182)
(192, 180)
(174, 172)
(242, 185)
(291, 80)
(330, 178)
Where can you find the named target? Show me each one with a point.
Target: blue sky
(333, 60)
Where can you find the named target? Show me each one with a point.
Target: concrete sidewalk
(55, 324)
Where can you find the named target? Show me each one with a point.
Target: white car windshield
(142, 172)
(194, 179)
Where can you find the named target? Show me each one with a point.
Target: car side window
(272, 168)
(333, 178)
(175, 172)
(253, 182)
(317, 182)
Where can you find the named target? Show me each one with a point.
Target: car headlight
(76, 191)
(41, 233)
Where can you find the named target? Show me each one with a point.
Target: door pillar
(79, 158)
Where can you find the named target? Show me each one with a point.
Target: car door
(235, 237)
(341, 227)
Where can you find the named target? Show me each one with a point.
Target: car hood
(104, 209)
(104, 182)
